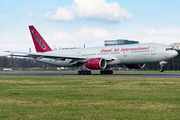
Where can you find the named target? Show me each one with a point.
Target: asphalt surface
(94, 75)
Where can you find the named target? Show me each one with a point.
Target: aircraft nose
(175, 53)
(171, 54)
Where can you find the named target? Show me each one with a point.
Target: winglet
(39, 43)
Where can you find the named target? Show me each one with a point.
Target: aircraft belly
(132, 59)
(140, 58)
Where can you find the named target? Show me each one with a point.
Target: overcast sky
(73, 23)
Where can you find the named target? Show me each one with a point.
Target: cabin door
(153, 51)
(124, 53)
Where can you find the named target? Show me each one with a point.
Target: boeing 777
(100, 58)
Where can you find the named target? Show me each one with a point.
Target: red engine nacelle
(135, 66)
(96, 63)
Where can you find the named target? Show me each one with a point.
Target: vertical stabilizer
(39, 43)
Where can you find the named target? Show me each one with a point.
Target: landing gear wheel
(161, 70)
(84, 72)
(89, 72)
(106, 72)
(101, 72)
(79, 72)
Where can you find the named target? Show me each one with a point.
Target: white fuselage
(120, 54)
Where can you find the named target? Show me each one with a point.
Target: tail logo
(36, 37)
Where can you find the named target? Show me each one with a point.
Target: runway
(93, 75)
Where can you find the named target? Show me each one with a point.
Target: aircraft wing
(51, 56)
(45, 55)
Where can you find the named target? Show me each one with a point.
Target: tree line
(23, 63)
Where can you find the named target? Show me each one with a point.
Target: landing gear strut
(161, 65)
(106, 72)
(84, 70)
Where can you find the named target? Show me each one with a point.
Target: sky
(73, 23)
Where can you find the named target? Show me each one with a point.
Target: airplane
(99, 58)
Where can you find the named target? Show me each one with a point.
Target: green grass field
(89, 98)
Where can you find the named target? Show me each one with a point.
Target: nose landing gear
(161, 66)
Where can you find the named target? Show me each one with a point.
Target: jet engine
(96, 63)
(135, 66)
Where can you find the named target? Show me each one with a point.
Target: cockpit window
(169, 48)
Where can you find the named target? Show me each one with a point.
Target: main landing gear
(88, 72)
(84, 72)
(106, 72)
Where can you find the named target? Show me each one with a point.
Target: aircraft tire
(101, 72)
(108, 72)
(86, 72)
(82, 72)
(89, 72)
(104, 72)
(79, 72)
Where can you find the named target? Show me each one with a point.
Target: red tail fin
(39, 43)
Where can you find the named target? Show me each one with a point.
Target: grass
(89, 98)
